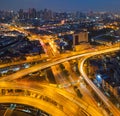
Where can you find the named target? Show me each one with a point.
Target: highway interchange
(63, 98)
(40, 66)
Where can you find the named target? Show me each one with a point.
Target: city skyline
(65, 5)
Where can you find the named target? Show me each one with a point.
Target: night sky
(62, 5)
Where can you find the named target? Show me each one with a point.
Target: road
(49, 64)
(59, 77)
(84, 56)
(29, 60)
(105, 100)
(53, 62)
(53, 100)
(50, 49)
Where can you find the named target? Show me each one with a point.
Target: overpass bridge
(47, 98)
(53, 62)
(73, 99)
(36, 97)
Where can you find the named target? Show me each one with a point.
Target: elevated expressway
(105, 100)
(52, 92)
(55, 61)
(50, 99)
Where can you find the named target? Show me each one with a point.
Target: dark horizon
(63, 6)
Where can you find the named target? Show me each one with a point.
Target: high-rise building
(21, 14)
(79, 37)
(47, 14)
(32, 13)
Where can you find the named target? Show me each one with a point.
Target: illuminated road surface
(52, 100)
(53, 62)
(23, 62)
(45, 65)
(48, 64)
(59, 77)
(108, 103)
